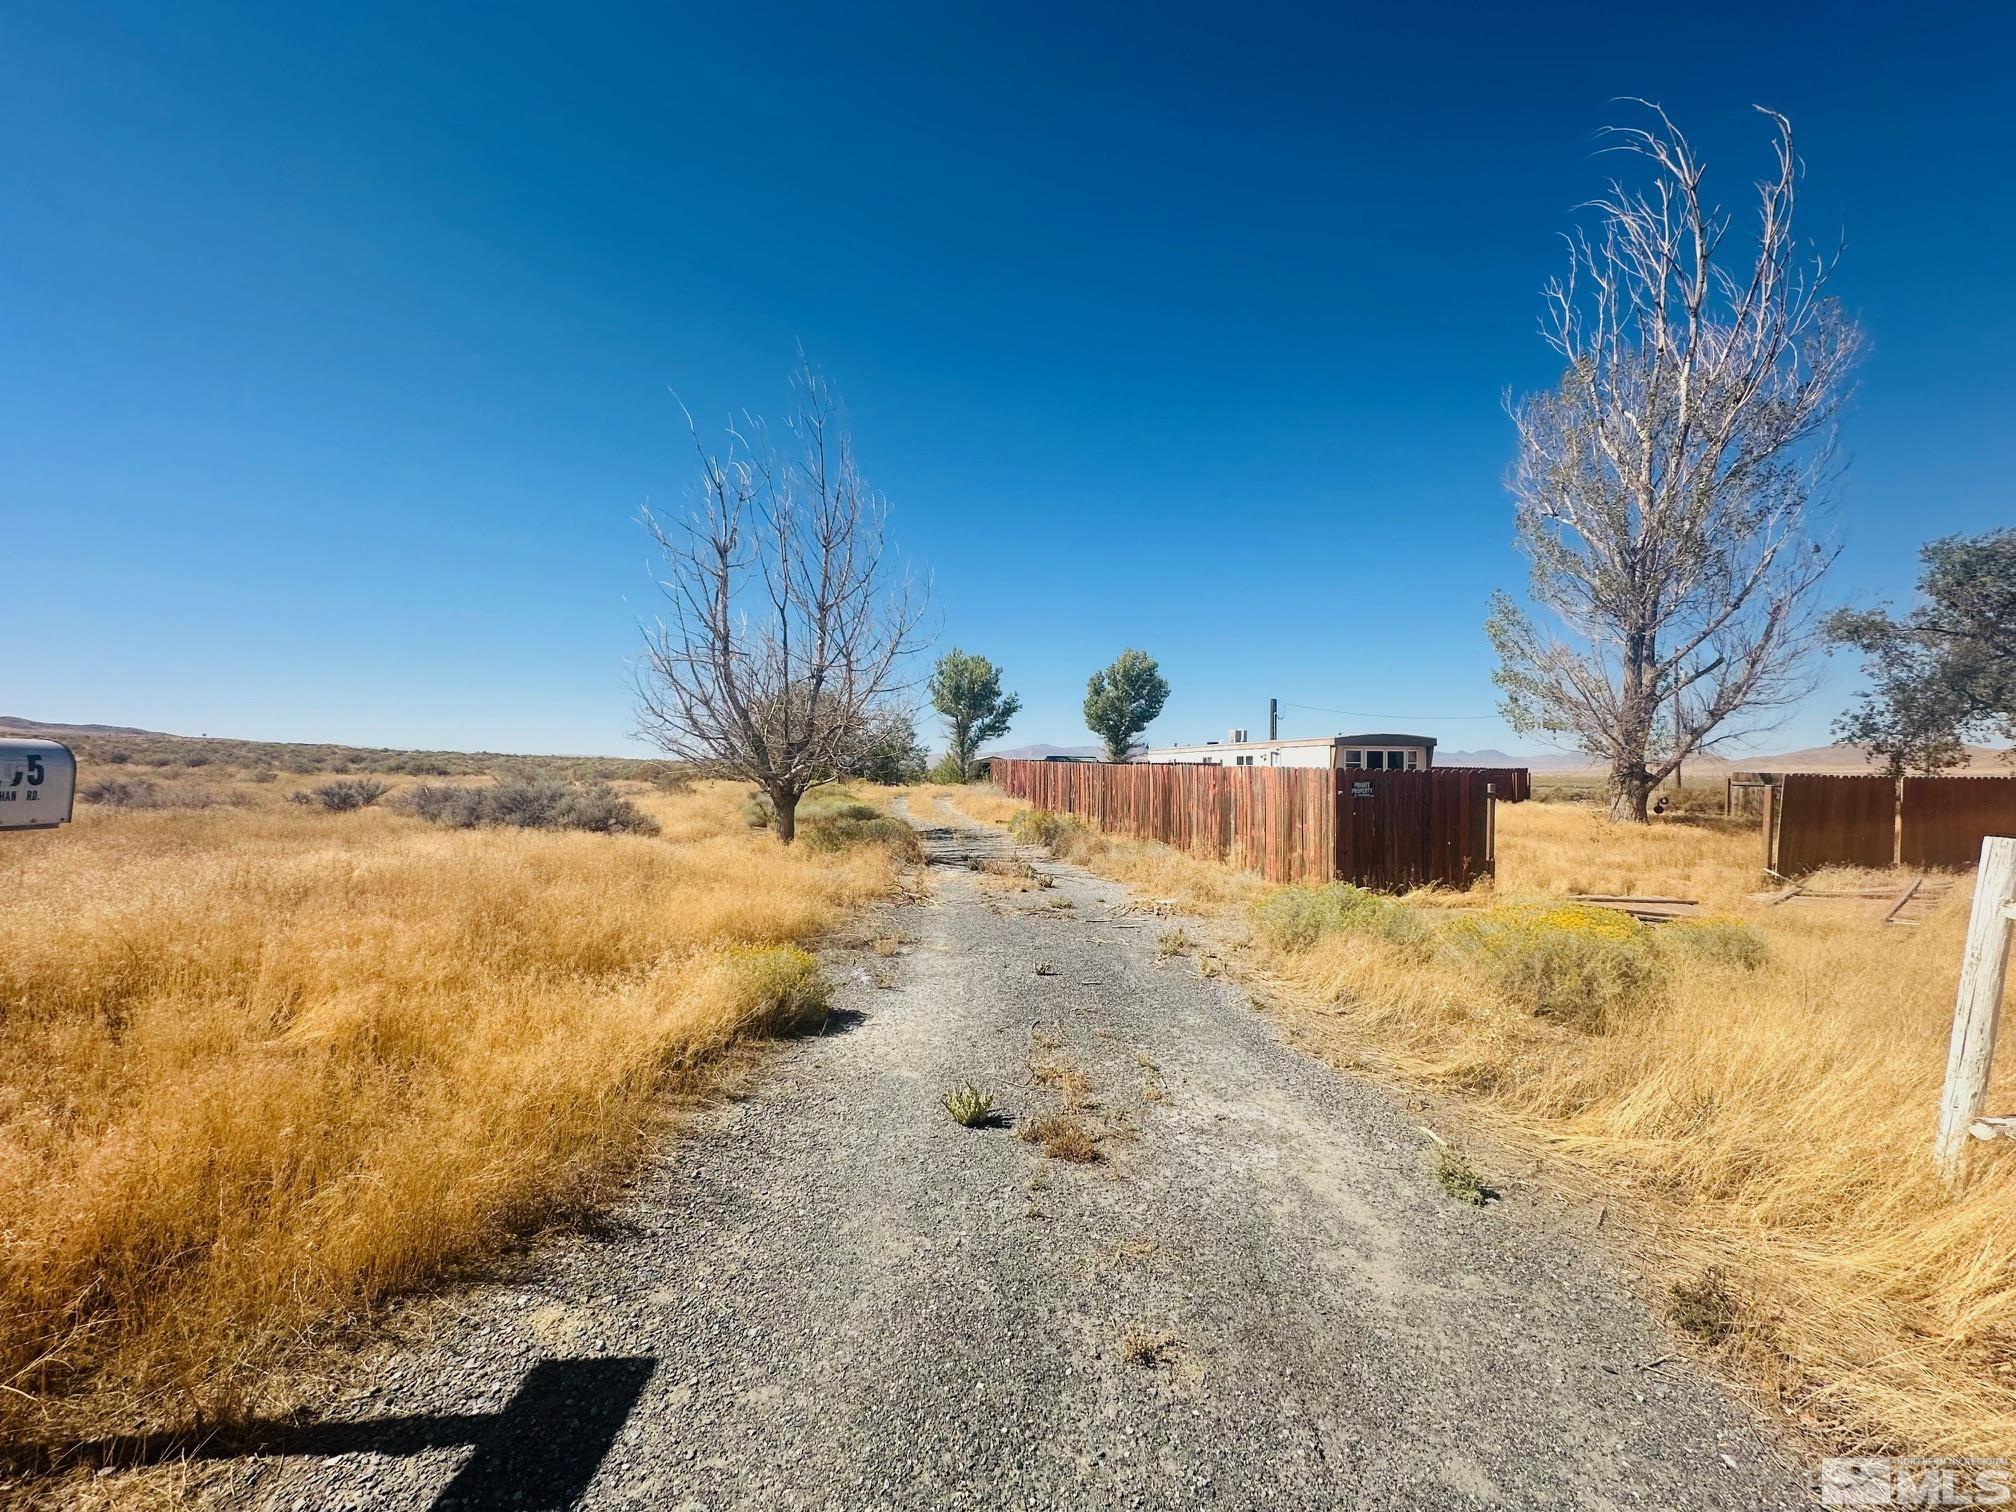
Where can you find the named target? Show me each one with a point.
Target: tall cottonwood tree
(965, 689)
(789, 622)
(1122, 699)
(1665, 488)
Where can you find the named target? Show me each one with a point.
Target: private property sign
(38, 784)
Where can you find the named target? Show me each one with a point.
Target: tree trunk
(786, 822)
(1630, 783)
(1630, 792)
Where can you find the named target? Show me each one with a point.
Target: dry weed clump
(263, 1068)
(1062, 1136)
(1150, 1349)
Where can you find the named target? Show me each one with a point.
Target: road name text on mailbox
(38, 784)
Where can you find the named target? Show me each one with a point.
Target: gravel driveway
(830, 1295)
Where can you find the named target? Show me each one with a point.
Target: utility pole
(1677, 783)
(1273, 719)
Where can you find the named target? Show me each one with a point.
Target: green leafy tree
(889, 751)
(1123, 699)
(966, 689)
(1945, 673)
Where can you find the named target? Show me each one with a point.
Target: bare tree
(789, 625)
(1665, 489)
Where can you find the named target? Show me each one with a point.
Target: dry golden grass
(1772, 1125)
(263, 1067)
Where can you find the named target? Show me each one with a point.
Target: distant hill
(1855, 758)
(38, 727)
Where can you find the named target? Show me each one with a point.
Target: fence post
(1770, 815)
(1984, 967)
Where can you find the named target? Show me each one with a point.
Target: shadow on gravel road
(540, 1452)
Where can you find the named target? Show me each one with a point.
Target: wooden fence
(1945, 819)
(1830, 821)
(1386, 830)
(1812, 821)
(1512, 784)
(1280, 822)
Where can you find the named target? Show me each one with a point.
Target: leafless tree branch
(1666, 490)
(789, 625)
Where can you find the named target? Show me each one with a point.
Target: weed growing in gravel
(1062, 1137)
(1150, 1351)
(1706, 1308)
(1174, 942)
(1068, 1082)
(1457, 1177)
(970, 1107)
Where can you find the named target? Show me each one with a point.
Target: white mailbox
(38, 784)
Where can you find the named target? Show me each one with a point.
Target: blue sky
(336, 345)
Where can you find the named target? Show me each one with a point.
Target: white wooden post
(1983, 968)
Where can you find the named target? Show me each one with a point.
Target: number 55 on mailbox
(38, 784)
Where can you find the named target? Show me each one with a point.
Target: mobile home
(1367, 753)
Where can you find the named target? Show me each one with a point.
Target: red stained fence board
(1946, 818)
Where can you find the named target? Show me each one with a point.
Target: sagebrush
(531, 805)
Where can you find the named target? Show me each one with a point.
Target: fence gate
(1833, 821)
(1398, 830)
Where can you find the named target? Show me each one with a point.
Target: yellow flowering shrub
(1574, 962)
